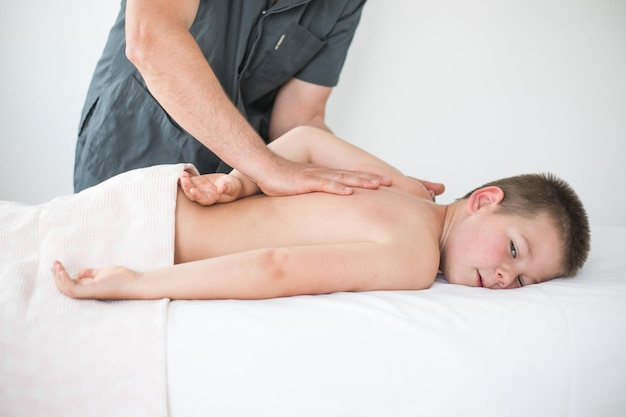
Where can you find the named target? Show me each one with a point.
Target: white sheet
(554, 349)
(63, 357)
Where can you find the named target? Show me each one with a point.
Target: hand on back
(292, 178)
(211, 189)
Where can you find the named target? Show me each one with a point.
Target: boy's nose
(505, 278)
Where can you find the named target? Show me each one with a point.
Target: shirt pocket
(280, 62)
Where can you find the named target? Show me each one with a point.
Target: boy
(510, 233)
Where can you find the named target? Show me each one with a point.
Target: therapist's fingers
(198, 189)
(300, 179)
(343, 182)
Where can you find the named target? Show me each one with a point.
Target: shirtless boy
(393, 238)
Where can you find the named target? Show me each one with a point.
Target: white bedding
(63, 357)
(554, 349)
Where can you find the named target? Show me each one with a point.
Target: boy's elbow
(273, 274)
(283, 276)
(273, 263)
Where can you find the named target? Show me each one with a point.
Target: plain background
(453, 91)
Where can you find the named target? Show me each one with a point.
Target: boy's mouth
(479, 280)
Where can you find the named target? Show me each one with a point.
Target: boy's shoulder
(413, 226)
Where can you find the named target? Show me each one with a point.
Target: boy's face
(491, 250)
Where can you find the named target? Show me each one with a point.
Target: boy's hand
(113, 282)
(211, 189)
(433, 188)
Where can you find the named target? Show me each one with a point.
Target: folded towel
(65, 357)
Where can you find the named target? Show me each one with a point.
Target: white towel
(65, 357)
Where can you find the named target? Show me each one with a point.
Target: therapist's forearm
(179, 77)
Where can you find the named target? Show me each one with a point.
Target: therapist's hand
(211, 189)
(291, 178)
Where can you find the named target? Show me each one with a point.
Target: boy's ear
(484, 197)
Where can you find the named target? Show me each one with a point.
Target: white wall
(461, 92)
(466, 92)
(48, 51)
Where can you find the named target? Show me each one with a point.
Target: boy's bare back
(388, 216)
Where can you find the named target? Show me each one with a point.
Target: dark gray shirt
(253, 51)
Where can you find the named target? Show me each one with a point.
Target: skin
(159, 44)
(390, 239)
(482, 247)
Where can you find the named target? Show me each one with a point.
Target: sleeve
(325, 67)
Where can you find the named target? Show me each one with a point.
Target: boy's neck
(454, 212)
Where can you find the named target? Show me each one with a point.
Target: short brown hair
(530, 195)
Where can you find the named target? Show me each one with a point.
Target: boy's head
(537, 217)
(531, 195)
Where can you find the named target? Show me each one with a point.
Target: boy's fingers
(73, 288)
(62, 279)
(436, 187)
(86, 273)
(59, 271)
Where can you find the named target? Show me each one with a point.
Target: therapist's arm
(159, 44)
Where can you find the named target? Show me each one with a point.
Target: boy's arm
(263, 273)
(307, 144)
(310, 145)
(315, 146)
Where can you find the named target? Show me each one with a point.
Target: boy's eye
(513, 250)
(519, 281)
